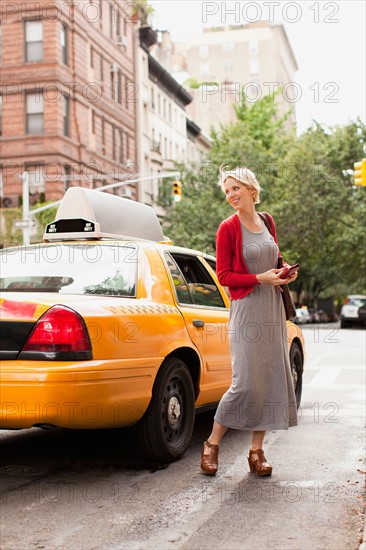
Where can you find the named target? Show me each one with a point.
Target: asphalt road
(88, 490)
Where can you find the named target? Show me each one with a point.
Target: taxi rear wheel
(166, 428)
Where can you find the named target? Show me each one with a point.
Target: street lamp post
(26, 228)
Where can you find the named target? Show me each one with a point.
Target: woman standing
(261, 396)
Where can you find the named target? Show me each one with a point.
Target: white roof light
(91, 214)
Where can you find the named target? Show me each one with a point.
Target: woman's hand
(292, 278)
(272, 277)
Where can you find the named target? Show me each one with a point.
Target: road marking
(317, 367)
(324, 378)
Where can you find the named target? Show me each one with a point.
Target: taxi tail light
(60, 334)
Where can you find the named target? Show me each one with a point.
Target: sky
(327, 38)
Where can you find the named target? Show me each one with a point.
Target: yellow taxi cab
(106, 324)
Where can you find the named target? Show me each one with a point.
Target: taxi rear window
(107, 270)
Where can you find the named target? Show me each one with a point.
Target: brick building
(68, 95)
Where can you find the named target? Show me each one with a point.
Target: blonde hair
(244, 176)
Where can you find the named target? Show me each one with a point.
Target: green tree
(193, 221)
(252, 140)
(306, 184)
(318, 211)
(142, 10)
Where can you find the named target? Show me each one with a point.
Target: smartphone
(289, 271)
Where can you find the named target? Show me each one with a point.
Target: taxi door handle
(198, 323)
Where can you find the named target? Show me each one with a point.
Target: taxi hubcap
(173, 411)
(294, 376)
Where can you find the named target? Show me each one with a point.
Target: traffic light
(360, 172)
(177, 191)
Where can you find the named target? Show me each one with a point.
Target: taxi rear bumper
(89, 395)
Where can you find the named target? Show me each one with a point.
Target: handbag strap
(269, 224)
(268, 221)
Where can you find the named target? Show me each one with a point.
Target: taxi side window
(212, 264)
(180, 285)
(200, 284)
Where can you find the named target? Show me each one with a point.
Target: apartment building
(68, 96)
(166, 137)
(256, 58)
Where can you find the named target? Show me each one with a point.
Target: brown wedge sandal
(210, 462)
(258, 463)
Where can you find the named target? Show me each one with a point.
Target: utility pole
(26, 233)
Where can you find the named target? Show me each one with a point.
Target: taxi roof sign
(92, 214)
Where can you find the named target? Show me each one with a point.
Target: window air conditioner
(125, 192)
(122, 41)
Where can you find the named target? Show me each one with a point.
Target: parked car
(313, 314)
(362, 314)
(323, 316)
(302, 316)
(350, 310)
(110, 325)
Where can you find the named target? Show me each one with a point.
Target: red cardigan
(230, 265)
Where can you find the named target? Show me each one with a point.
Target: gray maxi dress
(261, 395)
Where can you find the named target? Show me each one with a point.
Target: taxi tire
(296, 363)
(158, 439)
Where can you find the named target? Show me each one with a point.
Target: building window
(120, 145)
(91, 57)
(111, 14)
(34, 113)
(253, 47)
(66, 114)
(127, 146)
(93, 122)
(63, 41)
(101, 13)
(164, 108)
(33, 41)
(101, 68)
(152, 98)
(103, 131)
(203, 50)
(204, 69)
(112, 85)
(253, 90)
(113, 142)
(253, 66)
(228, 47)
(114, 81)
(118, 23)
(67, 170)
(170, 112)
(229, 66)
(129, 88)
(119, 87)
